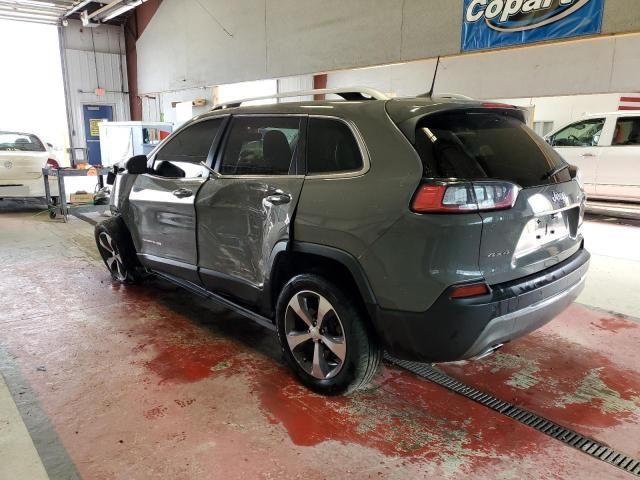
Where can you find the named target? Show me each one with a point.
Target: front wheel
(325, 337)
(117, 250)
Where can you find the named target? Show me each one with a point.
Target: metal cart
(61, 208)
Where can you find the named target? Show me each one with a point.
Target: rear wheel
(117, 251)
(324, 336)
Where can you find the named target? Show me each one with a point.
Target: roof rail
(347, 93)
(455, 96)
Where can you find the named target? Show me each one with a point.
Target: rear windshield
(20, 142)
(481, 144)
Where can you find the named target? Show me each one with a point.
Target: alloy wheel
(315, 335)
(111, 256)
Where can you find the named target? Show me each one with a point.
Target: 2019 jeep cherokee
(436, 228)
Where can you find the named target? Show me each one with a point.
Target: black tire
(117, 251)
(344, 321)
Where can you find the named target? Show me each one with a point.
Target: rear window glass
(477, 145)
(261, 146)
(332, 147)
(20, 142)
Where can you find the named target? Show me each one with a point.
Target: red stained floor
(152, 382)
(581, 370)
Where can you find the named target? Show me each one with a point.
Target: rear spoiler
(408, 125)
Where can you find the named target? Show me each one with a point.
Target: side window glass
(261, 146)
(580, 134)
(181, 156)
(332, 147)
(627, 132)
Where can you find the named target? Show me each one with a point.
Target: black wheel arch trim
(340, 256)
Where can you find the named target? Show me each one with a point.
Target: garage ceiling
(53, 12)
(50, 11)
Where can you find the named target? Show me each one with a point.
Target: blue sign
(503, 23)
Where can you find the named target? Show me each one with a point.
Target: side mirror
(573, 171)
(137, 165)
(549, 140)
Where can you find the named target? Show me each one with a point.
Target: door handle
(182, 193)
(588, 154)
(278, 198)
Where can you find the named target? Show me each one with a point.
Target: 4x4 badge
(560, 197)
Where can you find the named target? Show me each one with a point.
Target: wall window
(332, 147)
(181, 156)
(261, 146)
(542, 128)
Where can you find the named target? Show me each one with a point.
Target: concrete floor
(120, 382)
(614, 277)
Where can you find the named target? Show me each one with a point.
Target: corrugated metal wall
(94, 58)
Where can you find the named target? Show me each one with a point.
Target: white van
(606, 149)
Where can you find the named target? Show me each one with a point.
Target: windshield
(20, 142)
(475, 144)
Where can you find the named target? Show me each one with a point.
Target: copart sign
(503, 23)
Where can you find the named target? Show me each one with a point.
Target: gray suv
(437, 229)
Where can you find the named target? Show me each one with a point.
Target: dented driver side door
(248, 209)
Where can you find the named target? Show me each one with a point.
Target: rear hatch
(22, 157)
(489, 151)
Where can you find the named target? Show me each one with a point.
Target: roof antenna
(429, 94)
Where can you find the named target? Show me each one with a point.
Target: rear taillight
(52, 164)
(462, 197)
(469, 290)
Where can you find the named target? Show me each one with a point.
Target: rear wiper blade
(555, 171)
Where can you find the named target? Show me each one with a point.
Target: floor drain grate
(569, 437)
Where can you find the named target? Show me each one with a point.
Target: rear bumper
(464, 328)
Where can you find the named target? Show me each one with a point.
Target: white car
(22, 158)
(606, 149)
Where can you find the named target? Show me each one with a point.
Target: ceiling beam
(76, 7)
(12, 7)
(28, 20)
(36, 16)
